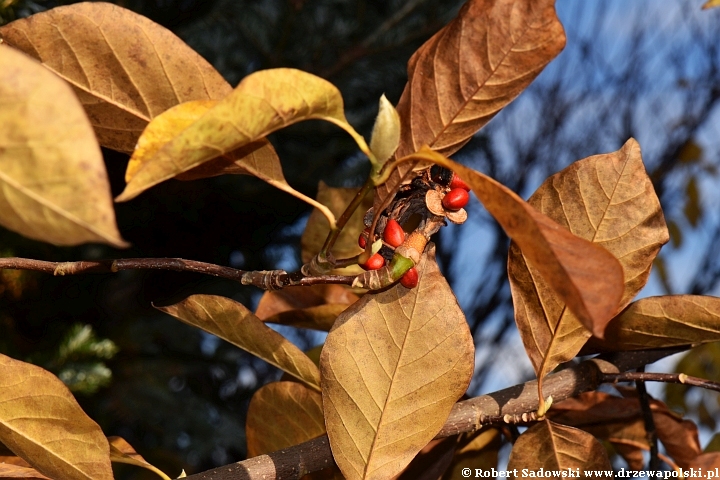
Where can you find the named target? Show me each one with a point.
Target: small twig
(661, 377)
(267, 280)
(650, 430)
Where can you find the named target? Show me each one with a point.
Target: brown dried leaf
(431, 462)
(314, 307)
(468, 71)
(317, 229)
(587, 277)
(711, 4)
(707, 461)
(53, 184)
(393, 366)
(478, 450)
(262, 103)
(608, 200)
(41, 422)
(125, 68)
(122, 452)
(556, 447)
(657, 322)
(233, 322)
(8, 470)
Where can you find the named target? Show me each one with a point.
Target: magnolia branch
(511, 405)
(661, 377)
(267, 280)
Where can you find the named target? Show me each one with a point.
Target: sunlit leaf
(122, 452)
(556, 447)
(233, 322)
(263, 102)
(711, 4)
(41, 422)
(8, 470)
(317, 228)
(608, 200)
(468, 71)
(658, 322)
(125, 68)
(393, 366)
(314, 307)
(53, 184)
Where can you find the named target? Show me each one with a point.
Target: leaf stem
(650, 430)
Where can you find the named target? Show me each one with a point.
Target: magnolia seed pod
(410, 279)
(375, 262)
(455, 199)
(458, 182)
(393, 234)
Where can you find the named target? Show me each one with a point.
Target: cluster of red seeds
(394, 235)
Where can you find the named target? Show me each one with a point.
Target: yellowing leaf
(711, 4)
(658, 322)
(123, 452)
(386, 131)
(605, 199)
(263, 102)
(53, 185)
(233, 322)
(16, 471)
(392, 367)
(556, 447)
(283, 414)
(468, 71)
(124, 68)
(317, 228)
(257, 158)
(41, 422)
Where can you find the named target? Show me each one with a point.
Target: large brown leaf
(53, 184)
(460, 78)
(233, 322)
(608, 200)
(393, 366)
(41, 422)
(262, 103)
(658, 322)
(551, 446)
(15, 471)
(587, 277)
(125, 68)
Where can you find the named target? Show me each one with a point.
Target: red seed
(410, 279)
(393, 234)
(458, 182)
(375, 262)
(362, 240)
(456, 199)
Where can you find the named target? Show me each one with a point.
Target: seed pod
(410, 279)
(393, 235)
(441, 175)
(375, 262)
(458, 182)
(455, 199)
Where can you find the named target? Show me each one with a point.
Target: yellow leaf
(53, 185)
(386, 131)
(125, 68)
(16, 471)
(393, 366)
(257, 158)
(41, 422)
(233, 322)
(263, 102)
(468, 71)
(556, 447)
(605, 199)
(711, 4)
(123, 452)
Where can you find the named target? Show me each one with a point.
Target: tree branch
(510, 404)
(661, 377)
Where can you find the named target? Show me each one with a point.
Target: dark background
(179, 396)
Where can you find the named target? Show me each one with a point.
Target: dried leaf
(468, 71)
(431, 462)
(283, 414)
(125, 68)
(711, 4)
(658, 322)
(478, 450)
(263, 102)
(53, 184)
(392, 367)
(707, 461)
(605, 199)
(556, 447)
(587, 277)
(122, 452)
(386, 131)
(233, 322)
(41, 422)
(14, 471)
(693, 207)
(317, 229)
(257, 158)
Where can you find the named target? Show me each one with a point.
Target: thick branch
(510, 404)
(267, 280)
